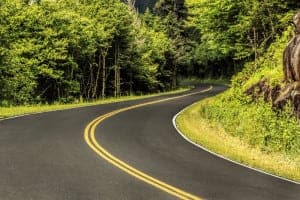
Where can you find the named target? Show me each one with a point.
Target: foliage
(174, 14)
(256, 121)
(213, 137)
(268, 67)
(11, 111)
(65, 50)
(235, 32)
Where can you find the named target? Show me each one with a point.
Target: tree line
(56, 50)
(234, 32)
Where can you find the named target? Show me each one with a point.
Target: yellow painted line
(89, 136)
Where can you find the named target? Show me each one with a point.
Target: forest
(53, 50)
(87, 49)
(245, 40)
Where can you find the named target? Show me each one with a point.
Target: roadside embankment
(253, 136)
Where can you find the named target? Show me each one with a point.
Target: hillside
(273, 134)
(246, 112)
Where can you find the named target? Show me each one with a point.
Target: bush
(255, 122)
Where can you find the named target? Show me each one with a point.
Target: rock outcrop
(279, 96)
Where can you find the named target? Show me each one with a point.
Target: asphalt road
(45, 157)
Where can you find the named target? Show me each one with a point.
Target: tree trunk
(130, 84)
(115, 81)
(97, 76)
(174, 78)
(90, 82)
(117, 72)
(104, 54)
(255, 45)
(271, 22)
(118, 81)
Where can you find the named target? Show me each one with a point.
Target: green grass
(21, 110)
(245, 134)
(267, 67)
(195, 81)
(248, 129)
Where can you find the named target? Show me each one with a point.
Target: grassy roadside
(21, 110)
(214, 137)
(195, 81)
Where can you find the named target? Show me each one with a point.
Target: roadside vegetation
(254, 119)
(196, 81)
(238, 137)
(62, 54)
(239, 126)
(6, 112)
(64, 51)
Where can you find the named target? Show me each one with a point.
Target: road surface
(45, 157)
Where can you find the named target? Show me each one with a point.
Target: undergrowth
(255, 120)
(27, 109)
(252, 121)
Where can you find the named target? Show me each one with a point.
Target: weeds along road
(135, 154)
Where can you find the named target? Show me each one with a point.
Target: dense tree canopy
(235, 31)
(62, 50)
(56, 50)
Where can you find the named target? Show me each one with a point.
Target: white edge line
(219, 155)
(177, 129)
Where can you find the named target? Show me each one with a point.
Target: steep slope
(249, 116)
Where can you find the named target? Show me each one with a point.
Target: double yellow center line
(89, 137)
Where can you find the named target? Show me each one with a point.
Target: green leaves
(255, 123)
(235, 32)
(62, 50)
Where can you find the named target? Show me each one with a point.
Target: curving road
(44, 156)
